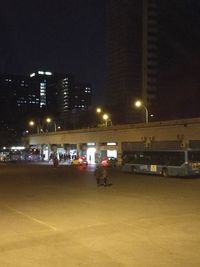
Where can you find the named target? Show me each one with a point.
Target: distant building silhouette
(17, 100)
(39, 95)
(152, 54)
(131, 57)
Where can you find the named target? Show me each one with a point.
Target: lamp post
(105, 117)
(98, 111)
(32, 123)
(49, 120)
(139, 104)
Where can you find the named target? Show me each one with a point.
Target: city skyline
(40, 95)
(66, 36)
(69, 36)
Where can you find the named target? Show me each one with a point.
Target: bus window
(194, 156)
(168, 162)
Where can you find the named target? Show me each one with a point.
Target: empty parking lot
(59, 217)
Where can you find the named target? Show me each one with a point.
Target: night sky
(69, 36)
(61, 36)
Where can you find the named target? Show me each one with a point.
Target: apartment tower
(131, 41)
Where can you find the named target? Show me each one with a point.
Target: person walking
(105, 176)
(98, 175)
(55, 161)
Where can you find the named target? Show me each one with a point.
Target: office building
(42, 94)
(81, 97)
(18, 100)
(64, 88)
(39, 82)
(60, 95)
(74, 99)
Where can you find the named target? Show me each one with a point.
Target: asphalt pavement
(60, 217)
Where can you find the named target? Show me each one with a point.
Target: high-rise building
(178, 79)
(59, 94)
(65, 87)
(39, 95)
(17, 99)
(81, 97)
(39, 82)
(131, 39)
(74, 99)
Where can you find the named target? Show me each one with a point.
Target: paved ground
(59, 217)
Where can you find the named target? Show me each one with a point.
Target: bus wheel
(165, 172)
(133, 170)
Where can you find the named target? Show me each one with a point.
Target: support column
(78, 148)
(98, 153)
(45, 151)
(119, 153)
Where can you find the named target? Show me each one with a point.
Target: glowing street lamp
(32, 123)
(49, 120)
(139, 104)
(106, 117)
(98, 110)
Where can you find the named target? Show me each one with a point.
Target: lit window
(48, 73)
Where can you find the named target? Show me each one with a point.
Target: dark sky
(62, 36)
(69, 36)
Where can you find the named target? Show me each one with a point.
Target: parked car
(79, 161)
(109, 162)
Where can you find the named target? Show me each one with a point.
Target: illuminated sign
(111, 144)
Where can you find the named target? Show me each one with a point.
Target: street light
(49, 120)
(106, 118)
(139, 104)
(98, 110)
(32, 123)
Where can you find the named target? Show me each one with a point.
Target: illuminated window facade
(40, 93)
(81, 97)
(43, 87)
(17, 99)
(65, 90)
(39, 81)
